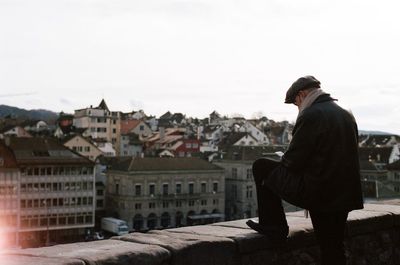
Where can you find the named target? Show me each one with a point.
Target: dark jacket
(324, 152)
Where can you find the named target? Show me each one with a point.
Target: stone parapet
(372, 237)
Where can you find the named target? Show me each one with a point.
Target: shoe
(273, 233)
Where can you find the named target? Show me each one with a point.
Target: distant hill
(364, 132)
(39, 114)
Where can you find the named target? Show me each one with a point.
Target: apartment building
(9, 198)
(49, 191)
(151, 193)
(100, 122)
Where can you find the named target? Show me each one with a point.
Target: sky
(197, 56)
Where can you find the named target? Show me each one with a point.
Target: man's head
(299, 89)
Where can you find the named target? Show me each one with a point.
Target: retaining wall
(372, 237)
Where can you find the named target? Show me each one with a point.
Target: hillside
(39, 114)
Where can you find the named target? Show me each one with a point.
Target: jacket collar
(324, 98)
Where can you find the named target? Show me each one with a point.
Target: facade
(54, 188)
(9, 198)
(131, 145)
(101, 123)
(83, 146)
(255, 132)
(240, 189)
(152, 193)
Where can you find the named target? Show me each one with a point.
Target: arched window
(190, 219)
(165, 220)
(138, 222)
(151, 221)
(178, 219)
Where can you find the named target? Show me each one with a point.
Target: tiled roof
(43, 151)
(394, 165)
(367, 165)
(251, 153)
(373, 140)
(103, 105)
(163, 164)
(378, 154)
(231, 138)
(7, 128)
(128, 125)
(166, 115)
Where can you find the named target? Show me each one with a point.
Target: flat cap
(302, 83)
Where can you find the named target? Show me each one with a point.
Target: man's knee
(262, 167)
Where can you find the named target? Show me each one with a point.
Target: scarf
(310, 98)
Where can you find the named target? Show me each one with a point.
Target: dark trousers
(329, 227)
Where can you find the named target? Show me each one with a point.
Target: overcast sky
(197, 56)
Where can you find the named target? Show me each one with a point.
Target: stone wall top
(222, 243)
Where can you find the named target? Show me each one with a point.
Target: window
(114, 130)
(178, 188)
(203, 202)
(138, 190)
(87, 148)
(191, 188)
(191, 203)
(99, 192)
(234, 172)
(152, 189)
(178, 204)
(165, 204)
(249, 191)
(203, 187)
(141, 128)
(215, 201)
(165, 189)
(117, 188)
(215, 187)
(188, 145)
(138, 206)
(152, 205)
(249, 173)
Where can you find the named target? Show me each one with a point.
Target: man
(318, 172)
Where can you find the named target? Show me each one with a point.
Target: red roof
(128, 125)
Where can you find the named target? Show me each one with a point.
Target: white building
(100, 122)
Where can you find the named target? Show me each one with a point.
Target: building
(152, 193)
(9, 198)
(240, 189)
(101, 123)
(14, 130)
(83, 146)
(54, 188)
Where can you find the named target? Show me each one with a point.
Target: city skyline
(195, 57)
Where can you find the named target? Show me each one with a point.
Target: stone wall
(372, 237)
